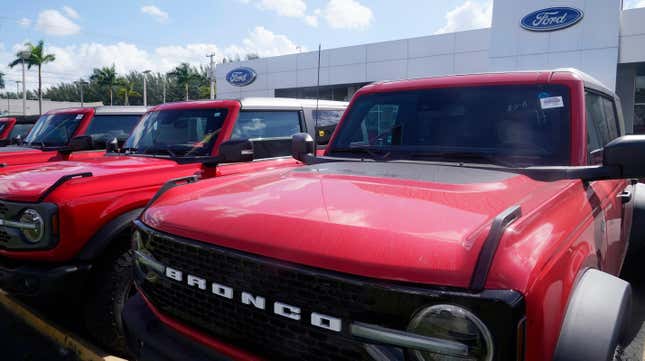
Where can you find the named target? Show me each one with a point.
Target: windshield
(54, 130)
(107, 127)
(177, 133)
(2, 126)
(507, 125)
(20, 130)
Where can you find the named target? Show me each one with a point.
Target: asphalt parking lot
(19, 342)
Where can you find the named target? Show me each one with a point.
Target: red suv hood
(27, 183)
(409, 222)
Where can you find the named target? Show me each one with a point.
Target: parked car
(13, 131)
(72, 133)
(475, 217)
(65, 226)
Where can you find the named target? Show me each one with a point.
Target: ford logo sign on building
(551, 19)
(241, 76)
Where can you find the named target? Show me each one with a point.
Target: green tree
(38, 58)
(1, 80)
(184, 75)
(105, 77)
(126, 89)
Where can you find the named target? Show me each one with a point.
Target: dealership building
(595, 36)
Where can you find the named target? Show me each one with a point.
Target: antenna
(317, 100)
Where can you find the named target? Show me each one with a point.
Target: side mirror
(626, 153)
(17, 140)
(112, 146)
(234, 151)
(82, 142)
(302, 144)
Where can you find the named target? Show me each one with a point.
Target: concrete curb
(81, 348)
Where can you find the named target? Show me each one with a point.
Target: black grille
(274, 337)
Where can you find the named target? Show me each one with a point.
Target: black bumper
(41, 280)
(150, 340)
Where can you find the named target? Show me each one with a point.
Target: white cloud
(77, 60)
(52, 22)
(311, 20)
(467, 16)
(264, 43)
(290, 8)
(347, 14)
(70, 12)
(159, 15)
(631, 4)
(24, 22)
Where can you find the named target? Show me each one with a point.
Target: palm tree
(106, 76)
(184, 75)
(38, 58)
(126, 89)
(1, 80)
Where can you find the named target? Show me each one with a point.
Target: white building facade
(597, 37)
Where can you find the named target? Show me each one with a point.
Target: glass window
(54, 130)
(2, 125)
(639, 106)
(522, 125)
(324, 118)
(20, 129)
(177, 132)
(602, 124)
(266, 124)
(108, 127)
(610, 116)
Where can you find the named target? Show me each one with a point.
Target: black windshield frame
(473, 124)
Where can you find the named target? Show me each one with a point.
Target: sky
(158, 35)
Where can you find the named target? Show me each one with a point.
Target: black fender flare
(595, 318)
(101, 239)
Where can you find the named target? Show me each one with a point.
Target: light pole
(145, 87)
(163, 83)
(80, 84)
(24, 55)
(211, 75)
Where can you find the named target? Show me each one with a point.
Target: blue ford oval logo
(241, 76)
(551, 19)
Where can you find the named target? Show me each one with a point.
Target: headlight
(453, 323)
(32, 217)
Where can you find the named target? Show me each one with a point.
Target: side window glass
(597, 129)
(266, 124)
(270, 131)
(610, 118)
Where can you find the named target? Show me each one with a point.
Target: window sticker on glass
(551, 102)
(79, 116)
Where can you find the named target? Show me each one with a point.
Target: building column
(626, 90)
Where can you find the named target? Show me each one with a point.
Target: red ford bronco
(72, 133)
(13, 131)
(478, 217)
(65, 226)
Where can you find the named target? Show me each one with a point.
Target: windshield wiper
(372, 152)
(154, 150)
(465, 156)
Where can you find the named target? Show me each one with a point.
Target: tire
(110, 288)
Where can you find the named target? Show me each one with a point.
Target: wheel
(110, 288)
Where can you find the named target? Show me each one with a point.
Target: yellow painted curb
(82, 349)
